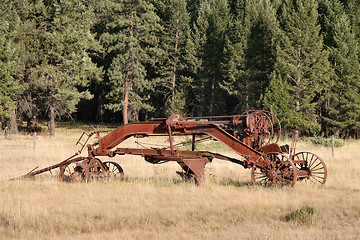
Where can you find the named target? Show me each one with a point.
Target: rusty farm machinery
(253, 135)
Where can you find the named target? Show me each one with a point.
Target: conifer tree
(261, 51)
(302, 62)
(329, 12)
(56, 36)
(352, 8)
(341, 104)
(10, 88)
(279, 96)
(174, 65)
(209, 35)
(250, 52)
(131, 38)
(235, 81)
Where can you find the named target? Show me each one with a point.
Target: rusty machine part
(253, 135)
(274, 169)
(90, 169)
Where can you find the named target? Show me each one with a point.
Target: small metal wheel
(114, 171)
(274, 169)
(71, 173)
(311, 168)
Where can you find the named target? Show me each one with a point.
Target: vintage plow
(253, 135)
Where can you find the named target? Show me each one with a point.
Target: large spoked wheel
(265, 127)
(274, 169)
(114, 171)
(312, 166)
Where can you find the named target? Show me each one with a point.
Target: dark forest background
(119, 61)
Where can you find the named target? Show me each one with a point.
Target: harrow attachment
(253, 135)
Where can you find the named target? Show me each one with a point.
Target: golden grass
(154, 203)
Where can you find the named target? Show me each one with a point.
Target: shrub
(327, 142)
(304, 215)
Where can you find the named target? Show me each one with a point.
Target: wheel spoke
(259, 175)
(312, 160)
(314, 178)
(261, 178)
(313, 167)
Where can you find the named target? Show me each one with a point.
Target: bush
(327, 142)
(304, 215)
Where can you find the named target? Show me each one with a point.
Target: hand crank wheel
(274, 169)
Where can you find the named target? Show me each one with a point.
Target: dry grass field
(153, 202)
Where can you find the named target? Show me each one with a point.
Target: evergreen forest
(120, 61)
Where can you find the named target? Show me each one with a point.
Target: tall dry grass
(154, 203)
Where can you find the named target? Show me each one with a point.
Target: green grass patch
(305, 215)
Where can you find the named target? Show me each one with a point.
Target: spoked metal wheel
(105, 170)
(311, 168)
(266, 127)
(114, 171)
(71, 173)
(274, 169)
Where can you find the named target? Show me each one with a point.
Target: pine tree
(329, 12)
(210, 35)
(193, 8)
(341, 105)
(261, 51)
(302, 62)
(250, 52)
(279, 96)
(235, 82)
(174, 66)
(10, 88)
(56, 36)
(131, 38)
(352, 8)
(94, 109)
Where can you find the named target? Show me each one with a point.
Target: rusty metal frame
(249, 143)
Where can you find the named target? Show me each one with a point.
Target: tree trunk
(246, 95)
(51, 125)
(128, 74)
(297, 101)
(100, 113)
(174, 67)
(100, 108)
(1, 122)
(173, 89)
(12, 124)
(212, 97)
(126, 102)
